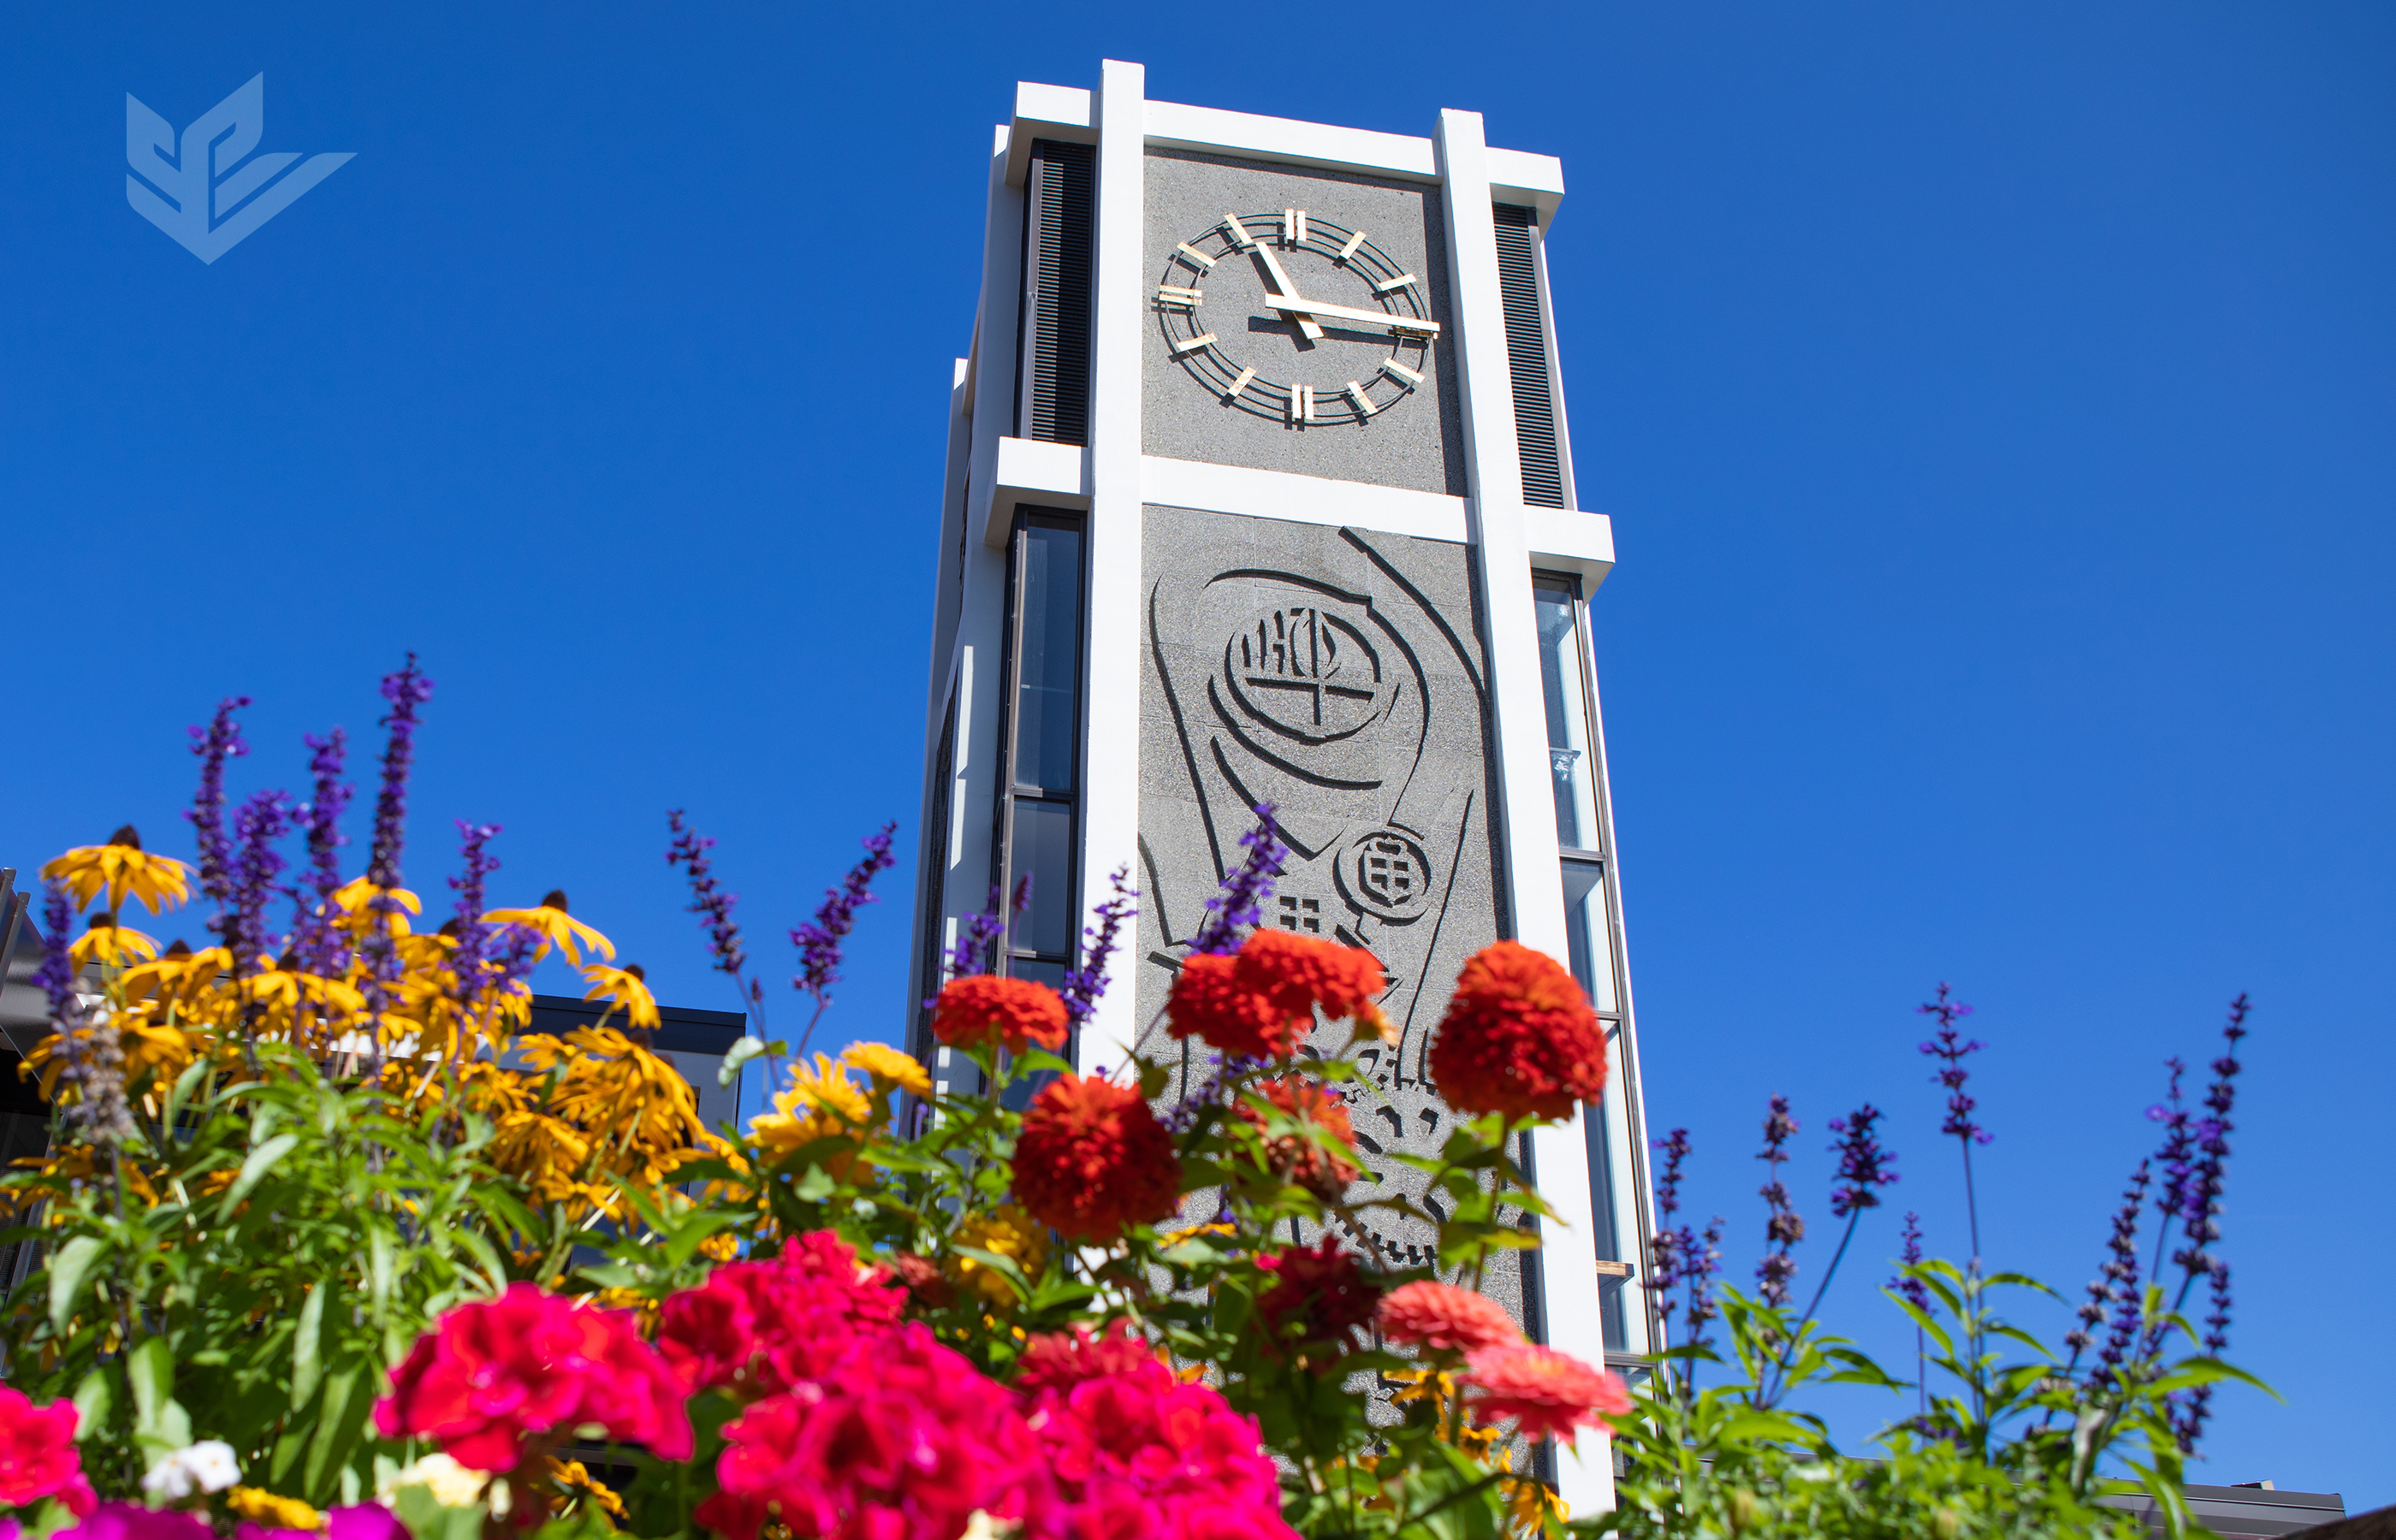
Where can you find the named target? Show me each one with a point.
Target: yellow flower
(627, 987)
(112, 944)
(357, 897)
(576, 1482)
(1007, 1231)
(887, 1063)
(264, 1508)
(555, 928)
(121, 866)
(820, 1103)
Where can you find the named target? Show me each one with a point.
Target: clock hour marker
(1403, 280)
(1293, 227)
(1396, 370)
(1301, 403)
(1198, 259)
(1238, 232)
(1173, 294)
(1193, 344)
(1240, 384)
(1364, 402)
(1353, 242)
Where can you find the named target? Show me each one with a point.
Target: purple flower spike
(1241, 900)
(92, 1061)
(976, 948)
(316, 936)
(260, 821)
(1085, 985)
(1681, 1257)
(1783, 1226)
(1863, 1165)
(220, 741)
(1912, 1289)
(708, 900)
(818, 943)
(406, 690)
(1949, 1047)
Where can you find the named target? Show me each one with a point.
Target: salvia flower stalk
(1783, 1226)
(820, 940)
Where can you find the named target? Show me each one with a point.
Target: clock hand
(1379, 320)
(1284, 289)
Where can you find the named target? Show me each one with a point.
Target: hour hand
(1284, 289)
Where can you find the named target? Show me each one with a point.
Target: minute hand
(1291, 304)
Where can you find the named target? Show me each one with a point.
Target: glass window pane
(1050, 638)
(1043, 851)
(1612, 1296)
(1588, 939)
(1569, 746)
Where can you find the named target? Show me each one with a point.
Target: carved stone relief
(1337, 675)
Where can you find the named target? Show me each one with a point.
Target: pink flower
(133, 1521)
(780, 1322)
(491, 1375)
(38, 1458)
(359, 1522)
(1441, 1314)
(901, 1439)
(1137, 1453)
(1545, 1392)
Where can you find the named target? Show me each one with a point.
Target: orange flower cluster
(984, 1008)
(1260, 1003)
(1092, 1158)
(1443, 1316)
(1519, 1038)
(1297, 1160)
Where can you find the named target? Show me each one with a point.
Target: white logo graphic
(214, 192)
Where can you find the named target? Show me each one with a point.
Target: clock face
(1290, 316)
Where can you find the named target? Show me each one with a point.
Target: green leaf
(427, 1519)
(1001, 1266)
(307, 1367)
(92, 1399)
(737, 1055)
(67, 1275)
(253, 1171)
(816, 1186)
(150, 1367)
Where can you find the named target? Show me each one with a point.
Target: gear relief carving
(1328, 672)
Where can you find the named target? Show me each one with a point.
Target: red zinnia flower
(983, 1007)
(1092, 1158)
(1545, 1392)
(904, 1439)
(1261, 1004)
(1319, 1297)
(1440, 1314)
(39, 1457)
(779, 1323)
(1519, 1038)
(493, 1374)
(1297, 1160)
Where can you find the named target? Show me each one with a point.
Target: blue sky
(1993, 404)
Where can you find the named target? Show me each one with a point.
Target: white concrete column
(1112, 643)
(1569, 1301)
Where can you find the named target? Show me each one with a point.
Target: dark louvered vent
(1526, 355)
(1053, 351)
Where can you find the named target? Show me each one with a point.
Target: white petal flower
(207, 1466)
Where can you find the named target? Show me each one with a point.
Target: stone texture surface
(1338, 674)
(1414, 443)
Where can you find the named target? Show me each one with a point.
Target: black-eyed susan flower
(1007, 1231)
(626, 986)
(121, 866)
(556, 927)
(111, 945)
(889, 1067)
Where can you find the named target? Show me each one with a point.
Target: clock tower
(1258, 491)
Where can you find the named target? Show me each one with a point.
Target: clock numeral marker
(1202, 341)
(1365, 407)
(1171, 294)
(1301, 403)
(1396, 370)
(1293, 227)
(1238, 232)
(1353, 242)
(1198, 259)
(1403, 280)
(1240, 384)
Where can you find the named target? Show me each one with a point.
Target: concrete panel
(1338, 673)
(1411, 441)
